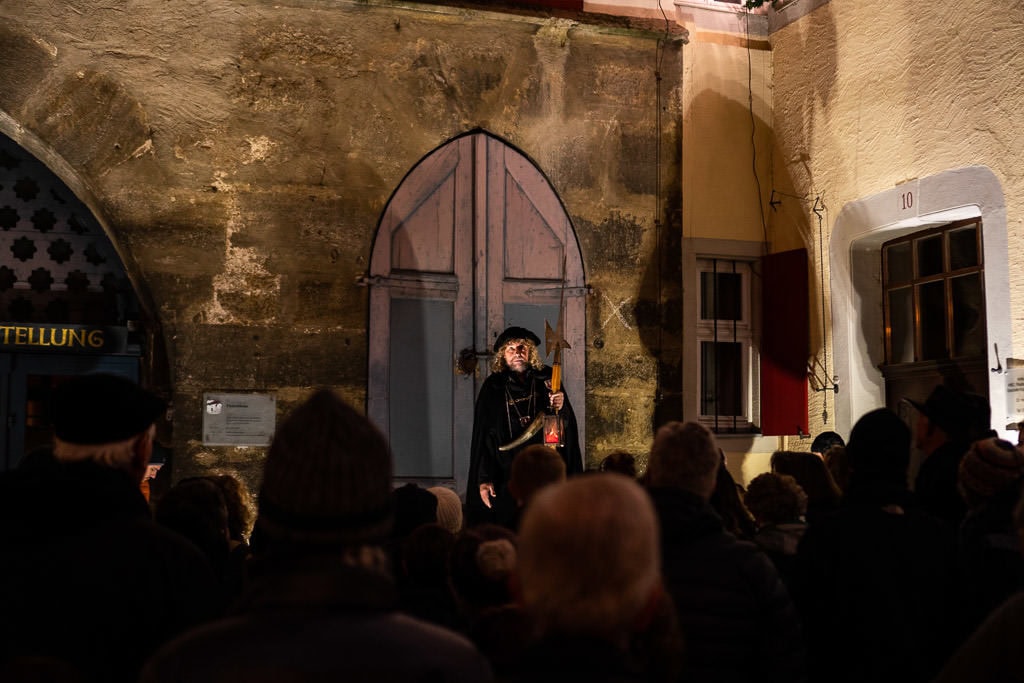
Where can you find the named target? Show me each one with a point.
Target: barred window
(728, 355)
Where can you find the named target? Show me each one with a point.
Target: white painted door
(471, 242)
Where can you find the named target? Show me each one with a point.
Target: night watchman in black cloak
(513, 395)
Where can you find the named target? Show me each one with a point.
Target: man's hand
(557, 400)
(486, 493)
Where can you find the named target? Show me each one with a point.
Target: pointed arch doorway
(472, 241)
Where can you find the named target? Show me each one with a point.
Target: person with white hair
(90, 586)
(589, 578)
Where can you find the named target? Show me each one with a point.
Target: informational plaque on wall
(1015, 392)
(238, 419)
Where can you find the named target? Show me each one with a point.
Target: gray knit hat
(327, 478)
(449, 508)
(990, 467)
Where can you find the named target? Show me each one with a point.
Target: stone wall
(240, 155)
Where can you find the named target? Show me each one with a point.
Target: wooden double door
(472, 241)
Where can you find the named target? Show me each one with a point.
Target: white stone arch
(861, 228)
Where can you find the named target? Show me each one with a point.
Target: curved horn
(527, 434)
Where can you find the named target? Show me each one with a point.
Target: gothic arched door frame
(471, 241)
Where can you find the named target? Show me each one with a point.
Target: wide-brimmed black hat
(953, 411)
(103, 408)
(515, 333)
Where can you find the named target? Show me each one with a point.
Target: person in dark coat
(778, 504)
(877, 578)
(992, 653)
(948, 422)
(90, 586)
(195, 508)
(727, 500)
(988, 546)
(813, 476)
(321, 603)
(424, 581)
(238, 502)
(596, 624)
(737, 619)
(513, 395)
(532, 469)
(482, 565)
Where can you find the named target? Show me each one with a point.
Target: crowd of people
(829, 567)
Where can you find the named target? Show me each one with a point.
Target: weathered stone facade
(240, 154)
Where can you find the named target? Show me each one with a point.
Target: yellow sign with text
(63, 338)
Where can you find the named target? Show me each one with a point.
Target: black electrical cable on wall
(753, 128)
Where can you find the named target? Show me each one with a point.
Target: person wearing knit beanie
(327, 478)
(449, 508)
(989, 468)
(321, 601)
(990, 566)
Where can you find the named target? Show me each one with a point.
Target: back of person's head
(621, 462)
(425, 554)
(811, 473)
(956, 413)
(195, 508)
(483, 560)
(606, 524)
(824, 441)
(684, 456)
(991, 468)
(449, 508)
(728, 503)
(775, 499)
(879, 447)
(838, 465)
(107, 419)
(326, 480)
(414, 506)
(533, 468)
(239, 505)
(980, 425)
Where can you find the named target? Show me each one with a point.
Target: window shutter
(784, 343)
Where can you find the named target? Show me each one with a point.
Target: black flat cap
(515, 333)
(102, 408)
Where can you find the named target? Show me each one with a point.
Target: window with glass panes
(934, 295)
(728, 356)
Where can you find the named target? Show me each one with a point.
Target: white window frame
(699, 257)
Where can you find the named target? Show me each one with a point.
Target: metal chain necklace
(509, 401)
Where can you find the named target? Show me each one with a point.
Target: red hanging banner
(784, 343)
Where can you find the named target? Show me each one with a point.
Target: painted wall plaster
(875, 98)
